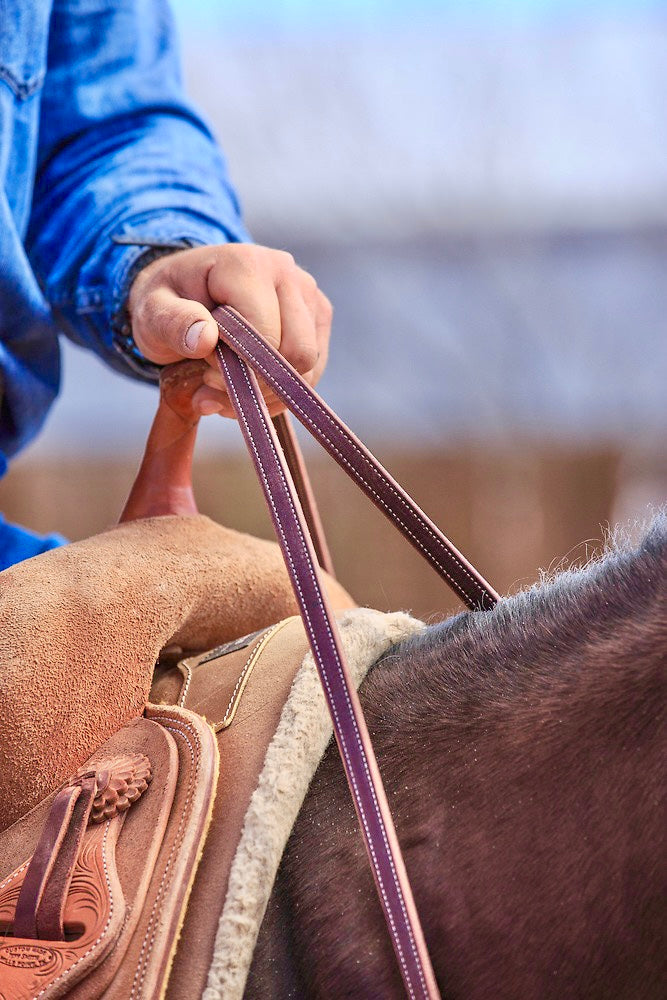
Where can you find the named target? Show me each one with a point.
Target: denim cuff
(102, 307)
(151, 248)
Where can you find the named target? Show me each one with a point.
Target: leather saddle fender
(136, 923)
(118, 877)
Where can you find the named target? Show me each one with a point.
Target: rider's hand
(170, 299)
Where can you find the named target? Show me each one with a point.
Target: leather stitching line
(14, 874)
(243, 673)
(262, 639)
(152, 923)
(360, 746)
(186, 686)
(359, 475)
(356, 473)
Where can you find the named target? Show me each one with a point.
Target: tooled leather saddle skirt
(148, 873)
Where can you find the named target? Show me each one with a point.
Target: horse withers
(523, 752)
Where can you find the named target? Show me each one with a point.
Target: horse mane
(542, 650)
(521, 749)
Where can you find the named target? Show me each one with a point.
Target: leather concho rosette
(128, 778)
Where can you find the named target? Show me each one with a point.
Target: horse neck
(520, 750)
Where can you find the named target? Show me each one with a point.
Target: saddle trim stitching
(14, 874)
(245, 674)
(185, 666)
(151, 928)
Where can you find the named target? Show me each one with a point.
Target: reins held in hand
(242, 354)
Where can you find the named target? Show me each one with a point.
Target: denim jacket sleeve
(120, 150)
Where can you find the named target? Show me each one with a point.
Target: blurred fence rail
(512, 511)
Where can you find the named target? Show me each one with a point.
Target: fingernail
(193, 335)
(205, 401)
(208, 406)
(213, 379)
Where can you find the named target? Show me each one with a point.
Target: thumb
(167, 328)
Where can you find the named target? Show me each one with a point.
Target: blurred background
(481, 190)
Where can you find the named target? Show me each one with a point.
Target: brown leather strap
(95, 794)
(355, 459)
(241, 346)
(387, 866)
(52, 906)
(292, 451)
(41, 902)
(43, 859)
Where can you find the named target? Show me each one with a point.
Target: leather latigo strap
(93, 795)
(63, 912)
(356, 460)
(350, 729)
(37, 915)
(101, 905)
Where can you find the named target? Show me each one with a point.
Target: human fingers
(245, 278)
(167, 327)
(276, 296)
(323, 320)
(321, 314)
(170, 300)
(296, 299)
(208, 400)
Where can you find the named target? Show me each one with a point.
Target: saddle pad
(264, 699)
(132, 874)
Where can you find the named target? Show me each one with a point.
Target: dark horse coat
(522, 750)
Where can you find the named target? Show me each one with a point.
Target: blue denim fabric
(17, 544)
(96, 138)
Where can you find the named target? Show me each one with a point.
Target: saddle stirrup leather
(241, 355)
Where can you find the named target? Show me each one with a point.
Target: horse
(522, 749)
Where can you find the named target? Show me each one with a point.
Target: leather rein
(242, 356)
